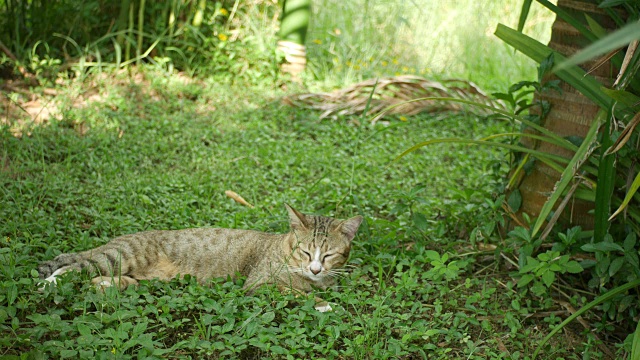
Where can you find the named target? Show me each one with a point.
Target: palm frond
(395, 92)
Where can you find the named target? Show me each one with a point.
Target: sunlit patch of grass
(353, 40)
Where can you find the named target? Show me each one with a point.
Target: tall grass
(352, 40)
(217, 39)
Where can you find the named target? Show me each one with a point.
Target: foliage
(347, 41)
(542, 270)
(139, 163)
(218, 38)
(611, 252)
(595, 175)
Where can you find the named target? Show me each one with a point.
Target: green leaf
(602, 246)
(276, 349)
(635, 345)
(597, 30)
(84, 330)
(524, 12)
(623, 97)
(68, 353)
(524, 280)
(615, 40)
(538, 289)
(616, 265)
(515, 200)
(139, 328)
(544, 257)
(432, 255)
(545, 66)
(604, 190)
(268, 317)
(573, 267)
(630, 242)
(612, 3)
(555, 267)
(420, 220)
(532, 264)
(548, 277)
(627, 198)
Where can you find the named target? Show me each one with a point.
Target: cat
(310, 255)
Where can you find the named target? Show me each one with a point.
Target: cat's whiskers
(337, 273)
(294, 269)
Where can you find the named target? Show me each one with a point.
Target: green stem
(199, 15)
(127, 48)
(295, 20)
(140, 31)
(122, 20)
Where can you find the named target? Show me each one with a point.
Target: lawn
(158, 152)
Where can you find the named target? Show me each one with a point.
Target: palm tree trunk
(571, 114)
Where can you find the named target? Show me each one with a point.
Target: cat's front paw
(324, 307)
(51, 280)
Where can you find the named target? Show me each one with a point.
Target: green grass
(159, 154)
(349, 41)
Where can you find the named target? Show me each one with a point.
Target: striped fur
(311, 254)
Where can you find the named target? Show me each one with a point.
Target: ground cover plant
(92, 147)
(159, 154)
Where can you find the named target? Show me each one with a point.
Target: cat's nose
(315, 267)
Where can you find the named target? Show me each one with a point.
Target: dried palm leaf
(395, 92)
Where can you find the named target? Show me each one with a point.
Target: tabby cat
(311, 254)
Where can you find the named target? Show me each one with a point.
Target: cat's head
(320, 245)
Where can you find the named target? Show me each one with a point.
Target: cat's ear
(349, 227)
(297, 220)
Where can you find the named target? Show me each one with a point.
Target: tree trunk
(571, 114)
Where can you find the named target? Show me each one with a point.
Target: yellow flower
(317, 41)
(348, 63)
(405, 69)
(222, 37)
(384, 63)
(357, 67)
(403, 118)
(394, 61)
(224, 12)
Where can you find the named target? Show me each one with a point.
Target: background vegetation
(93, 147)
